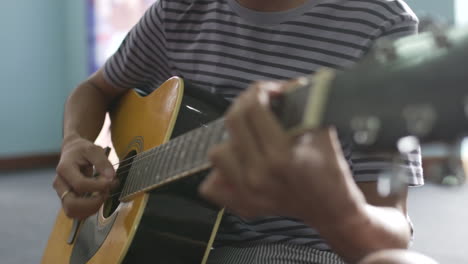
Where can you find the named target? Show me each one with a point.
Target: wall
(461, 12)
(43, 55)
(440, 9)
(76, 40)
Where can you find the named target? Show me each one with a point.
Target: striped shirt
(223, 47)
(274, 253)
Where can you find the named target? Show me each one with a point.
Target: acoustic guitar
(414, 86)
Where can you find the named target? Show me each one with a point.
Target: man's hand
(75, 180)
(261, 171)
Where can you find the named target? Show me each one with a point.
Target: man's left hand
(260, 170)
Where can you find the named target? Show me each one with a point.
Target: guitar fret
(203, 146)
(208, 139)
(138, 170)
(146, 178)
(160, 163)
(126, 188)
(197, 147)
(190, 145)
(178, 164)
(164, 163)
(141, 164)
(193, 141)
(133, 175)
(173, 160)
(181, 154)
(183, 162)
(154, 162)
(218, 131)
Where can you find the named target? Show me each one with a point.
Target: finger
(332, 139)
(242, 139)
(225, 162)
(256, 168)
(268, 132)
(81, 207)
(87, 171)
(323, 140)
(97, 157)
(75, 206)
(249, 178)
(79, 183)
(333, 144)
(60, 186)
(216, 189)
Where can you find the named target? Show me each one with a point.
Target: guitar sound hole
(111, 204)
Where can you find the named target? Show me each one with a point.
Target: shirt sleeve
(403, 22)
(404, 28)
(367, 168)
(141, 61)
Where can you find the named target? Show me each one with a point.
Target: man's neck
(271, 5)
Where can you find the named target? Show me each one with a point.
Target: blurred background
(47, 47)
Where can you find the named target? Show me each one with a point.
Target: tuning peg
(385, 51)
(440, 36)
(365, 129)
(420, 118)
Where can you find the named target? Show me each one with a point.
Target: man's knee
(396, 256)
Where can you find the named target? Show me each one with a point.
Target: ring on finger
(65, 193)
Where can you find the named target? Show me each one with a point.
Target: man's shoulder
(190, 3)
(383, 8)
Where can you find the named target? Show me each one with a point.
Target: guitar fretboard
(187, 154)
(177, 158)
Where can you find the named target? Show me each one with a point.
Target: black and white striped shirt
(223, 47)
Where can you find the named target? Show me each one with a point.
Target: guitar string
(157, 150)
(117, 193)
(166, 145)
(119, 173)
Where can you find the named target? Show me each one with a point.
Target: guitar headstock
(416, 86)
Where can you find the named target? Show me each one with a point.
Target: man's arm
(380, 223)
(85, 110)
(396, 256)
(88, 102)
(261, 171)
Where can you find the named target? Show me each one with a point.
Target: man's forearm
(84, 112)
(370, 229)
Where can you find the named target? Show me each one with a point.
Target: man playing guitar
(225, 45)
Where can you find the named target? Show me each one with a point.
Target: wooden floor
(28, 205)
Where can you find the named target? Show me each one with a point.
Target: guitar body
(170, 224)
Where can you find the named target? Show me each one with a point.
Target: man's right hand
(74, 180)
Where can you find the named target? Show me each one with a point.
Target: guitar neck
(181, 156)
(414, 86)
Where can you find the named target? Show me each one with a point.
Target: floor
(28, 206)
